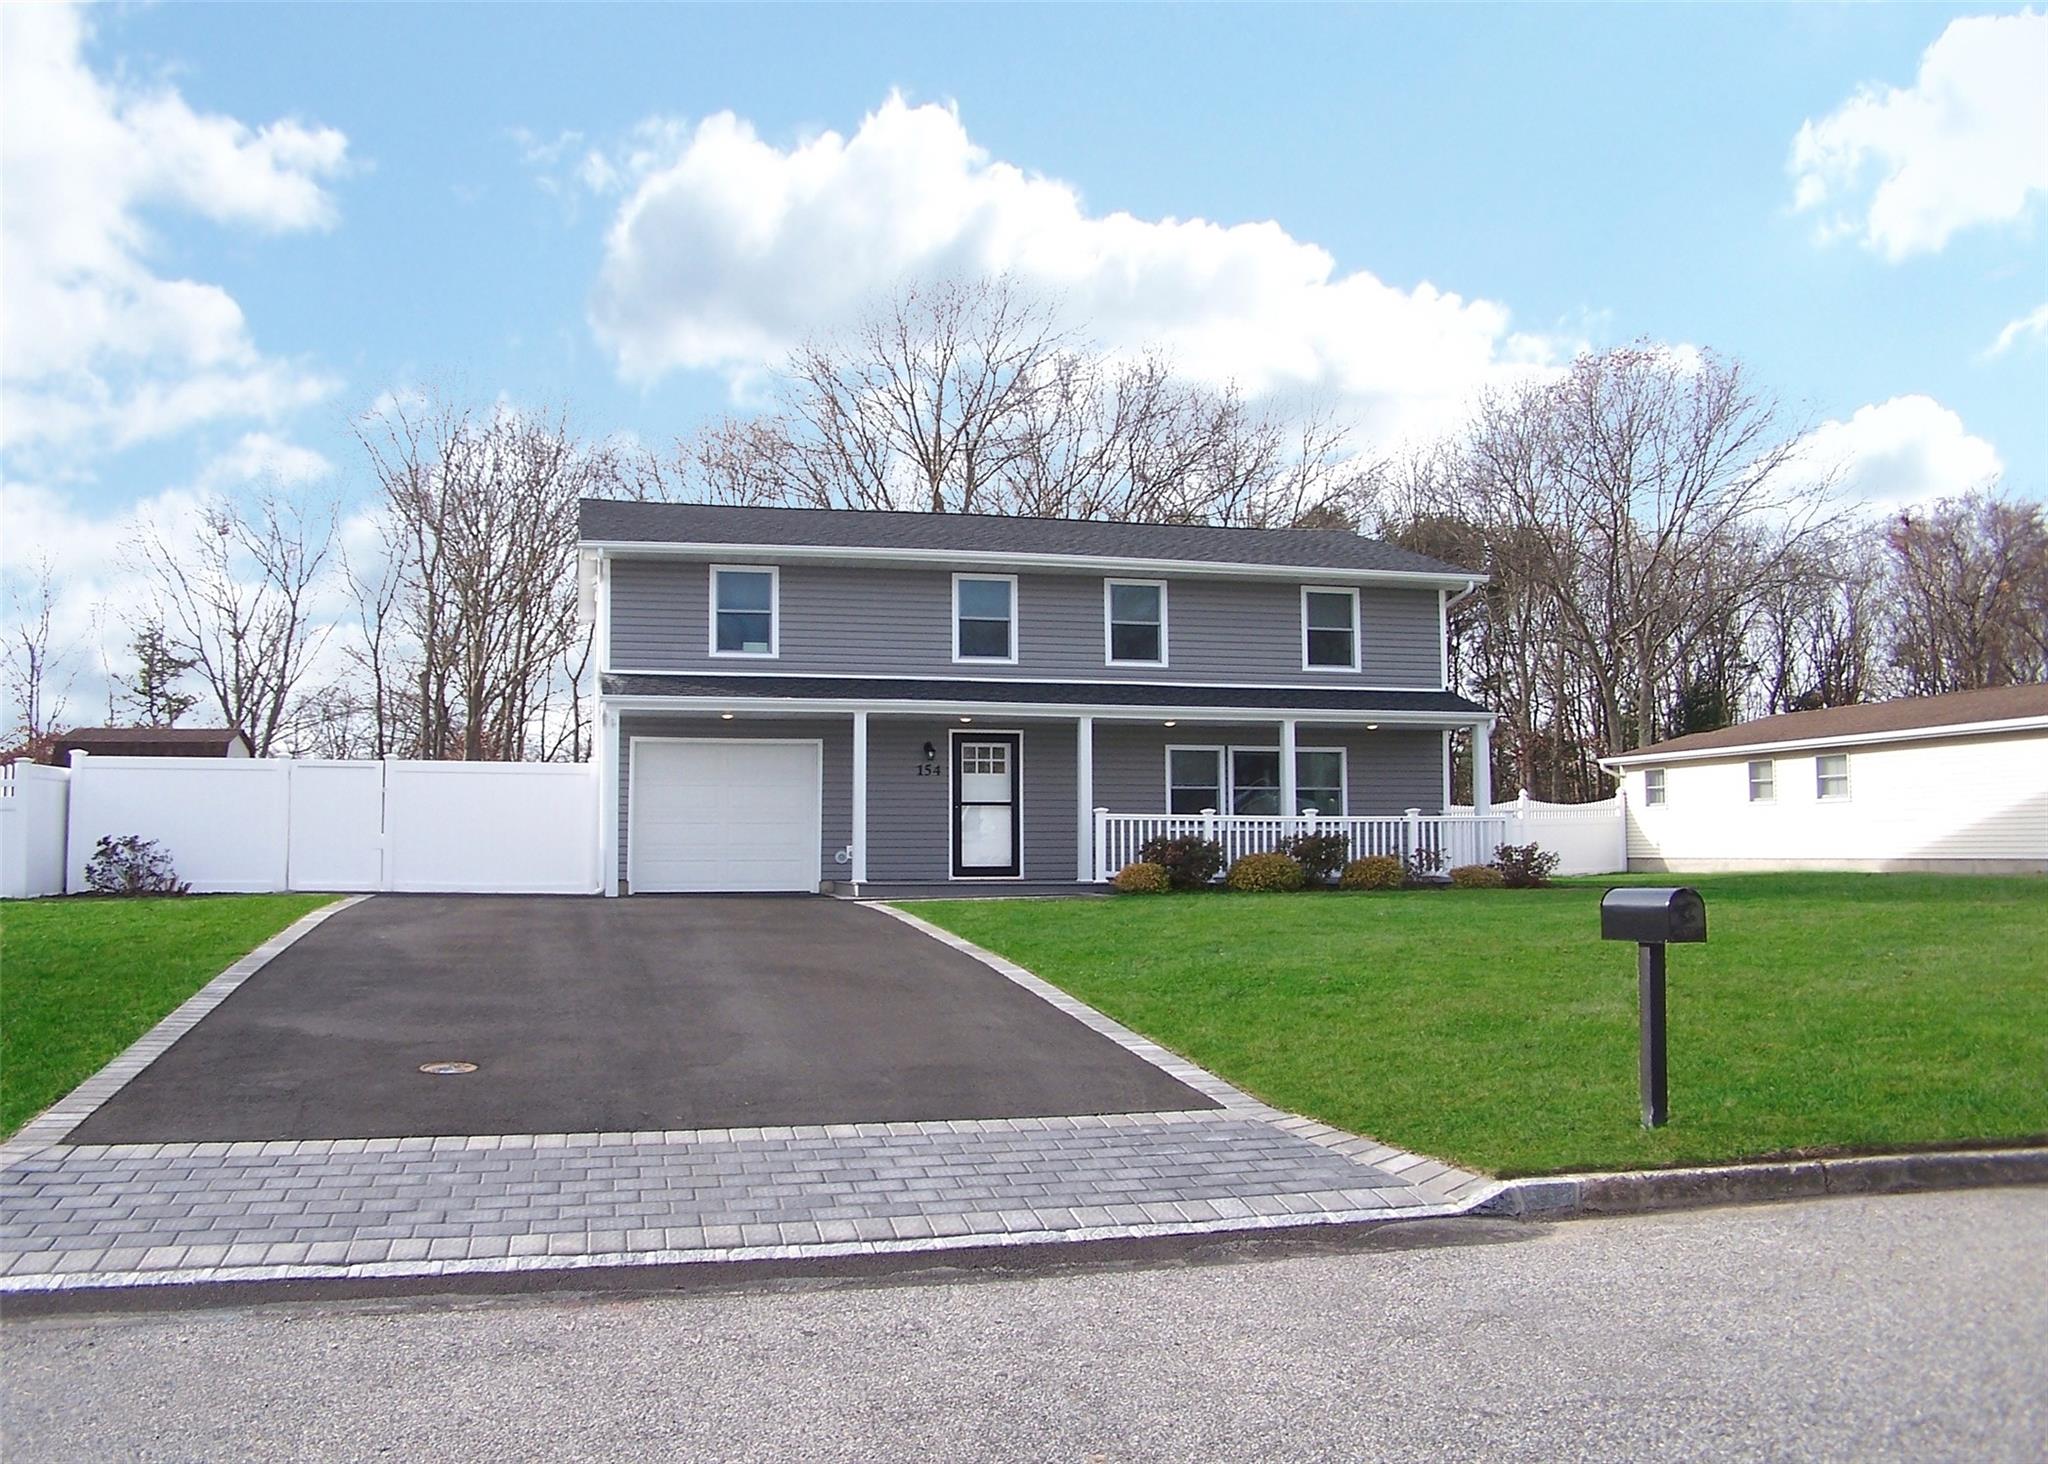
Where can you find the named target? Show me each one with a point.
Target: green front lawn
(80, 979)
(1493, 1028)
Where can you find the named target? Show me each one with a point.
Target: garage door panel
(710, 816)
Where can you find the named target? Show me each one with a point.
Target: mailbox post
(1652, 917)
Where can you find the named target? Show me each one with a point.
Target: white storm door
(985, 828)
(713, 816)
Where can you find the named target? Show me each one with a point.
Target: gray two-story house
(806, 699)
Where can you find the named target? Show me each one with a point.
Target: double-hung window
(985, 617)
(1763, 781)
(743, 610)
(1653, 787)
(1329, 629)
(1134, 629)
(1255, 780)
(1194, 779)
(1319, 780)
(1831, 777)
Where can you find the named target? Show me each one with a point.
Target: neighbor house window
(985, 617)
(1653, 786)
(1194, 779)
(1135, 634)
(743, 611)
(1319, 780)
(1831, 776)
(1329, 629)
(1763, 781)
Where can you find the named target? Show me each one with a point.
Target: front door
(985, 829)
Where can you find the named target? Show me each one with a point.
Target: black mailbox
(1653, 916)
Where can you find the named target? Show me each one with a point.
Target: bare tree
(238, 594)
(38, 668)
(1967, 586)
(472, 610)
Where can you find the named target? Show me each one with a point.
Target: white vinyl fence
(313, 824)
(1588, 838)
(33, 805)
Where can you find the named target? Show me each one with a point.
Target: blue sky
(529, 202)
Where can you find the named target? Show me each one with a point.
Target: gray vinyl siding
(848, 620)
(909, 816)
(1386, 772)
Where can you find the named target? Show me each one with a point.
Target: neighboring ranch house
(806, 699)
(1954, 783)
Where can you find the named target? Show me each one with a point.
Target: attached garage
(709, 815)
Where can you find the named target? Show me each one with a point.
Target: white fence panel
(223, 821)
(34, 807)
(508, 828)
(1588, 838)
(337, 825)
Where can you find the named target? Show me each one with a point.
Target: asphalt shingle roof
(1872, 719)
(605, 520)
(881, 689)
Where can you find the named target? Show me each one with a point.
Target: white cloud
(94, 342)
(1907, 450)
(2034, 323)
(264, 458)
(1965, 145)
(728, 249)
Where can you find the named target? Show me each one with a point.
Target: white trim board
(1055, 563)
(1744, 751)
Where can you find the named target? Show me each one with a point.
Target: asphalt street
(1902, 1327)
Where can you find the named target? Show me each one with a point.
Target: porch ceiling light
(1169, 723)
(725, 716)
(967, 719)
(1372, 726)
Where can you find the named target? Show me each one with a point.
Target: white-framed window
(1653, 787)
(1763, 781)
(1194, 779)
(746, 611)
(1134, 622)
(1247, 779)
(1831, 777)
(985, 618)
(1329, 628)
(1255, 780)
(1319, 779)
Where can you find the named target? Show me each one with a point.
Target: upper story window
(1329, 629)
(744, 610)
(1831, 776)
(1653, 786)
(1134, 632)
(1763, 781)
(985, 617)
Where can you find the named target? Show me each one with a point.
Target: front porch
(1018, 796)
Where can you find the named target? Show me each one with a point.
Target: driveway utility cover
(589, 1015)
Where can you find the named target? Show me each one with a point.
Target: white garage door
(707, 816)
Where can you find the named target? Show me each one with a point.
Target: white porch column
(607, 802)
(1482, 769)
(1084, 801)
(860, 797)
(1288, 804)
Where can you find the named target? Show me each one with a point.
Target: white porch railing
(1448, 839)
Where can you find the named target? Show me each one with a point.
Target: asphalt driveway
(586, 1015)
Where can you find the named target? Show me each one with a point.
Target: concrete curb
(1570, 1196)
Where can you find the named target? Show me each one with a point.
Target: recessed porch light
(967, 719)
(725, 716)
(1169, 724)
(1372, 726)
